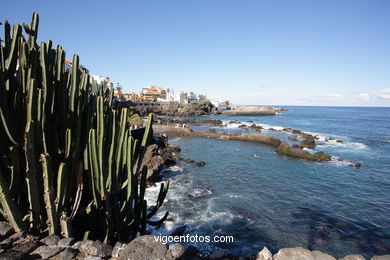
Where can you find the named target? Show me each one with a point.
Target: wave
(175, 139)
(323, 140)
(264, 126)
(338, 162)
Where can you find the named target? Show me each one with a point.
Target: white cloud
(382, 94)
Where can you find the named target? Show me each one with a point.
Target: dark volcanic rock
(174, 148)
(256, 127)
(285, 149)
(309, 142)
(68, 254)
(94, 248)
(12, 255)
(12, 239)
(201, 163)
(51, 240)
(68, 241)
(179, 231)
(191, 251)
(26, 247)
(5, 229)
(144, 246)
(154, 162)
(45, 252)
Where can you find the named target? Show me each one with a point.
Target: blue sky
(279, 52)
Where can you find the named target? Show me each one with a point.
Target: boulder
(67, 241)
(51, 240)
(26, 246)
(154, 163)
(309, 143)
(353, 257)
(46, 252)
(12, 239)
(144, 246)
(68, 254)
(94, 248)
(264, 254)
(5, 229)
(299, 253)
(381, 257)
(12, 255)
(175, 251)
(117, 248)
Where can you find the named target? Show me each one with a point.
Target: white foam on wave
(264, 126)
(174, 168)
(336, 161)
(175, 139)
(324, 141)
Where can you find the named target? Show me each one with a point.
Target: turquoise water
(275, 201)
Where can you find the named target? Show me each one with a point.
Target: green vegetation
(135, 119)
(204, 103)
(67, 162)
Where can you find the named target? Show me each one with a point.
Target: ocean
(247, 191)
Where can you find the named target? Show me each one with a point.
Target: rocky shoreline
(299, 141)
(20, 246)
(206, 108)
(243, 110)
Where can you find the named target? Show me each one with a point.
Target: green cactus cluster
(68, 163)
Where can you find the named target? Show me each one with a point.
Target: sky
(260, 52)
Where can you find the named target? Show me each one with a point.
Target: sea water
(247, 191)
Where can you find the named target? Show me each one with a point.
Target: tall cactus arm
(62, 185)
(49, 195)
(11, 61)
(7, 37)
(8, 206)
(7, 121)
(32, 30)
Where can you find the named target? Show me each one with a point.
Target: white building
(170, 95)
(181, 97)
(192, 97)
(220, 104)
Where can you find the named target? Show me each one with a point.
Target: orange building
(132, 96)
(152, 93)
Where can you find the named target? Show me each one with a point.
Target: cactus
(68, 164)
